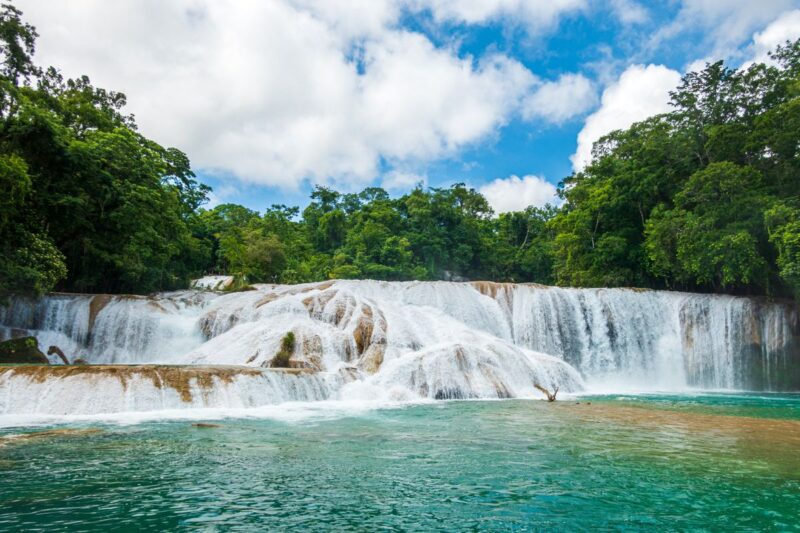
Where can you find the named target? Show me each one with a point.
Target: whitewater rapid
(407, 340)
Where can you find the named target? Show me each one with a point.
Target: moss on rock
(22, 351)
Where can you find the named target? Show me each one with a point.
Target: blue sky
(271, 97)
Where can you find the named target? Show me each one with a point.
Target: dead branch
(56, 350)
(550, 397)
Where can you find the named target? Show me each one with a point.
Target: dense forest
(706, 198)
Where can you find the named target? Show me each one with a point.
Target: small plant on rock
(281, 359)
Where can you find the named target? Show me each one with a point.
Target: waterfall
(109, 329)
(88, 390)
(434, 339)
(661, 339)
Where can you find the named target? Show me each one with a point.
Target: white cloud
(398, 180)
(640, 92)
(725, 23)
(629, 12)
(515, 193)
(422, 102)
(784, 28)
(353, 18)
(556, 101)
(279, 91)
(699, 64)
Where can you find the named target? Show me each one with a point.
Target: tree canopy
(706, 197)
(89, 203)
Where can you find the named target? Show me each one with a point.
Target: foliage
(706, 197)
(281, 359)
(22, 351)
(89, 204)
(702, 198)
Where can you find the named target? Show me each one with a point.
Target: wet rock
(362, 333)
(349, 374)
(373, 358)
(450, 394)
(308, 352)
(95, 306)
(370, 339)
(22, 351)
(183, 379)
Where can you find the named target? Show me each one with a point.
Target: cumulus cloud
(420, 101)
(515, 193)
(556, 101)
(725, 23)
(784, 28)
(399, 180)
(640, 92)
(280, 91)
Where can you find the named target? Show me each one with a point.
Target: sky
(272, 97)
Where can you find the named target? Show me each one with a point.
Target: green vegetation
(88, 203)
(281, 359)
(22, 351)
(421, 235)
(705, 198)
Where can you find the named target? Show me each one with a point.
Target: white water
(91, 394)
(415, 340)
(213, 283)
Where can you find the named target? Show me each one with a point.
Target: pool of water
(713, 462)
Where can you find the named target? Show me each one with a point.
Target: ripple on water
(647, 463)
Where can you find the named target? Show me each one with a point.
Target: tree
(783, 225)
(92, 205)
(688, 199)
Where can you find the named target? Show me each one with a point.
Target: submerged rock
(22, 438)
(22, 351)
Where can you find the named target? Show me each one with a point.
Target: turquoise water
(709, 462)
(755, 404)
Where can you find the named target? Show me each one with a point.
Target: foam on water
(287, 411)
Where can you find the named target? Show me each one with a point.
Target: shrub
(281, 359)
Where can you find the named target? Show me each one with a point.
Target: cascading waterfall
(81, 390)
(421, 339)
(109, 329)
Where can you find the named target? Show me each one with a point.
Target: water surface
(718, 462)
